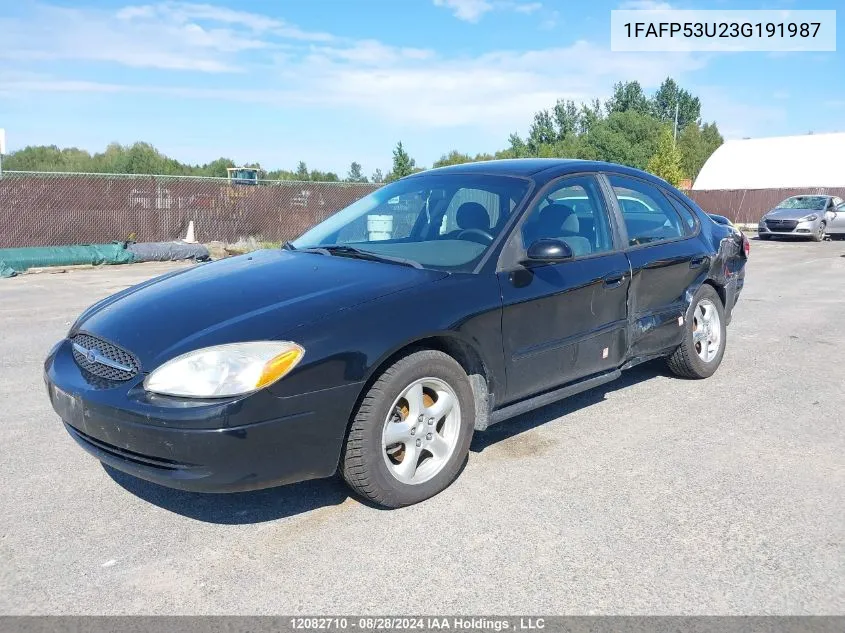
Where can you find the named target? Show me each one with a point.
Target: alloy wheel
(706, 330)
(421, 430)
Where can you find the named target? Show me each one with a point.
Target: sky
(335, 81)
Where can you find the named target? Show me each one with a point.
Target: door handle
(697, 262)
(614, 280)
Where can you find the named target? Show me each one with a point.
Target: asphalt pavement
(650, 495)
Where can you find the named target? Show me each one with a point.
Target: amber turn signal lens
(278, 366)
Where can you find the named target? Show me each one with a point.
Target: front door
(567, 320)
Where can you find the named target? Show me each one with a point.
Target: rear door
(567, 320)
(666, 257)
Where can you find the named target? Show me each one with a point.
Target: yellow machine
(243, 175)
(240, 176)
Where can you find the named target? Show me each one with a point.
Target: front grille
(103, 359)
(781, 225)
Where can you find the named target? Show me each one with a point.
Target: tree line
(630, 128)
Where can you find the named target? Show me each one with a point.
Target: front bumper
(793, 229)
(232, 445)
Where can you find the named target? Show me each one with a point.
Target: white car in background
(809, 216)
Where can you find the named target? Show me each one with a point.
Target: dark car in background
(806, 216)
(380, 340)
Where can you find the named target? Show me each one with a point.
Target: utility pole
(675, 134)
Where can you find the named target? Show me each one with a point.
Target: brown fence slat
(748, 205)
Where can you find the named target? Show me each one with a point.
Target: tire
(818, 236)
(688, 360)
(374, 466)
(764, 237)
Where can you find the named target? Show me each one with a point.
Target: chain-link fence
(51, 209)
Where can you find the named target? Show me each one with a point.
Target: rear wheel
(818, 236)
(411, 433)
(700, 353)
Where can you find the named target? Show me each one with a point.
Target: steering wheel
(479, 232)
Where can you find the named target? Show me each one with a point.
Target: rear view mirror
(548, 251)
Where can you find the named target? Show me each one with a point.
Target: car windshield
(813, 203)
(441, 221)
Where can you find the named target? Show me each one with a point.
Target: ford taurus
(379, 341)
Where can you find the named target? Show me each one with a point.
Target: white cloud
(186, 12)
(172, 36)
(646, 5)
(496, 92)
(474, 10)
(468, 10)
(550, 21)
(528, 7)
(739, 119)
(369, 52)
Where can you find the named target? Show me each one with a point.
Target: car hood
(791, 214)
(259, 296)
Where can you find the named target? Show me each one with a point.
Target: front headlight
(225, 370)
(809, 218)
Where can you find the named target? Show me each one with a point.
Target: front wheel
(818, 236)
(410, 435)
(764, 237)
(700, 353)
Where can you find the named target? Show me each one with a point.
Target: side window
(841, 207)
(471, 209)
(575, 213)
(689, 220)
(649, 216)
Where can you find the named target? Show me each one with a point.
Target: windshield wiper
(341, 250)
(288, 246)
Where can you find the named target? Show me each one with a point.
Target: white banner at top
(728, 31)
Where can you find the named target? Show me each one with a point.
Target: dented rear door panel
(664, 278)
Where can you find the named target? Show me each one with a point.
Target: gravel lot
(651, 495)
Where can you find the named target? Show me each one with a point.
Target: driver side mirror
(548, 251)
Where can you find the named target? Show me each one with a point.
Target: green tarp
(16, 260)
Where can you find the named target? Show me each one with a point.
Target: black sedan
(381, 339)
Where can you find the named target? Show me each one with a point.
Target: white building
(810, 160)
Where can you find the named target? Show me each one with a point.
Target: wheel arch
(481, 378)
(720, 290)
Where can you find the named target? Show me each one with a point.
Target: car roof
(509, 166)
(539, 168)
